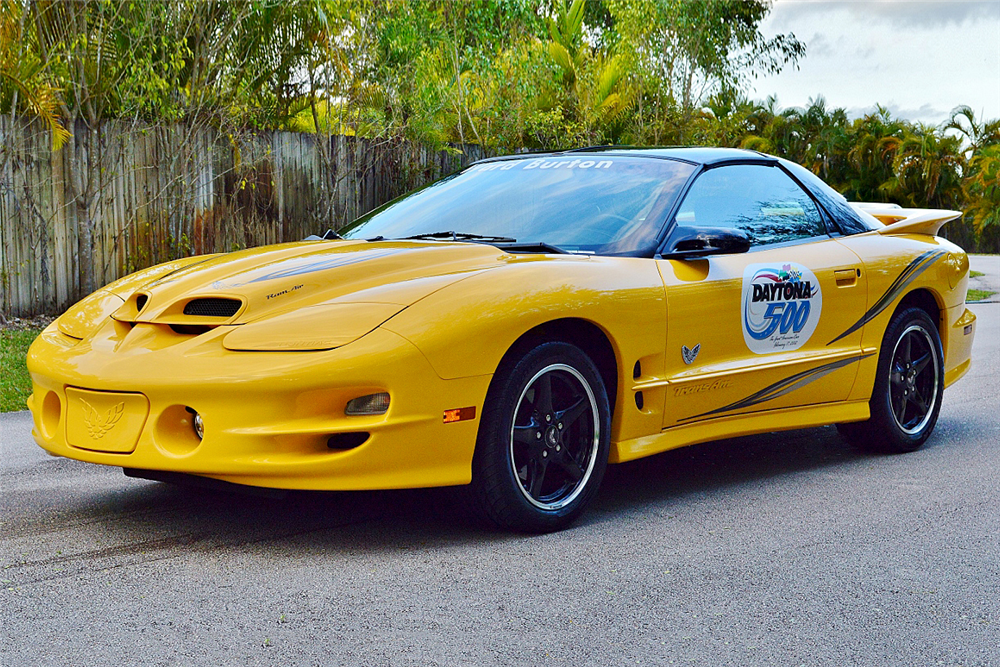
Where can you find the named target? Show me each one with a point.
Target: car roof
(692, 154)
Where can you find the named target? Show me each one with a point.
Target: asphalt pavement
(989, 266)
(780, 549)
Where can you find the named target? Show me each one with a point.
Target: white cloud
(900, 13)
(919, 59)
(927, 113)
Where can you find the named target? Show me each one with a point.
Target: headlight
(83, 318)
(311, 328)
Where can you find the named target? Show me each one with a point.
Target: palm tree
(982, 188)
(872, 142)
(24, 81)
(596, 88)
(928, 168)
(978, 134)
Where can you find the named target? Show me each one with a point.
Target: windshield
(597, 203)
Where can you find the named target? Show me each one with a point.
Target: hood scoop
(212, 307)
(190, 316)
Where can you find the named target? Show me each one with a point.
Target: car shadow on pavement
(401, 519)
(723, 465)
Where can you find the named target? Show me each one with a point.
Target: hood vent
(212, 307)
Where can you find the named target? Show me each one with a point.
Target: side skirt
(733, 426)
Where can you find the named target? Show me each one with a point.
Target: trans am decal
(782, 387)
(902, 281)
(781, 307)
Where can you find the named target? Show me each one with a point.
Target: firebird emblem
(690, 355)
(98, 425)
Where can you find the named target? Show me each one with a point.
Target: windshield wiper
(539, 247)
(460, 236)
(328, 235)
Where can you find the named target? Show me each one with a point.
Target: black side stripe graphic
(783, 387)
(902, 281)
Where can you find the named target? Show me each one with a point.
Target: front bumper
(268, 415)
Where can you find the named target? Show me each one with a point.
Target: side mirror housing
(694, 242)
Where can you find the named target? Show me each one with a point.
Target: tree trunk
(81, 181)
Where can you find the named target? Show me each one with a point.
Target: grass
(976, 274)
(978, 294)
(15, 384)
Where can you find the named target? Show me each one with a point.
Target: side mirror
(694, 242)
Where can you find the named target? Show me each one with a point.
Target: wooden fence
(128, 195)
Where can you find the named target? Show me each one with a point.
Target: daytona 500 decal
(781, 306)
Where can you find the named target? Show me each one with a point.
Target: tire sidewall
(506, 504)
(894, 438)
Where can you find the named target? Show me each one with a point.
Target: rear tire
(543, 440)
(909, 385)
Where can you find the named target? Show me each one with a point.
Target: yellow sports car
(517, 326)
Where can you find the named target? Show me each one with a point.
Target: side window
(761, 201)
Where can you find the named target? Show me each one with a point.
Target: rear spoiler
(898, 220)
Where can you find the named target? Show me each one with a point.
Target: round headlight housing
(83, 318)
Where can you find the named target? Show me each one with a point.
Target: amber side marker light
(459, 414)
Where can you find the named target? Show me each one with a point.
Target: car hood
(276, 280)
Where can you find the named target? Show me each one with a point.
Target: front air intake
(212, 307)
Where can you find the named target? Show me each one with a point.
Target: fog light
(372, 404)
(199, 426)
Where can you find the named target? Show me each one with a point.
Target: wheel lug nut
(544, 454)
(538, 435)
(548, 418)
(559, 426)
(558, 448)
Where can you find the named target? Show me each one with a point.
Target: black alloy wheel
(909, 385)
(913, 380)
(555, 436)
(543, 442)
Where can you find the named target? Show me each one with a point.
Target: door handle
(846, 277)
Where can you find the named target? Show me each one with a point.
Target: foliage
(874, 158)
(24, 83)
(505, 74)
(682, 52)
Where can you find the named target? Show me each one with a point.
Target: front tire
(909, 385)
(543, 441)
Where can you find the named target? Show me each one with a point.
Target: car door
(754, 331)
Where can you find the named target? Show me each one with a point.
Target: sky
(918, 59)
